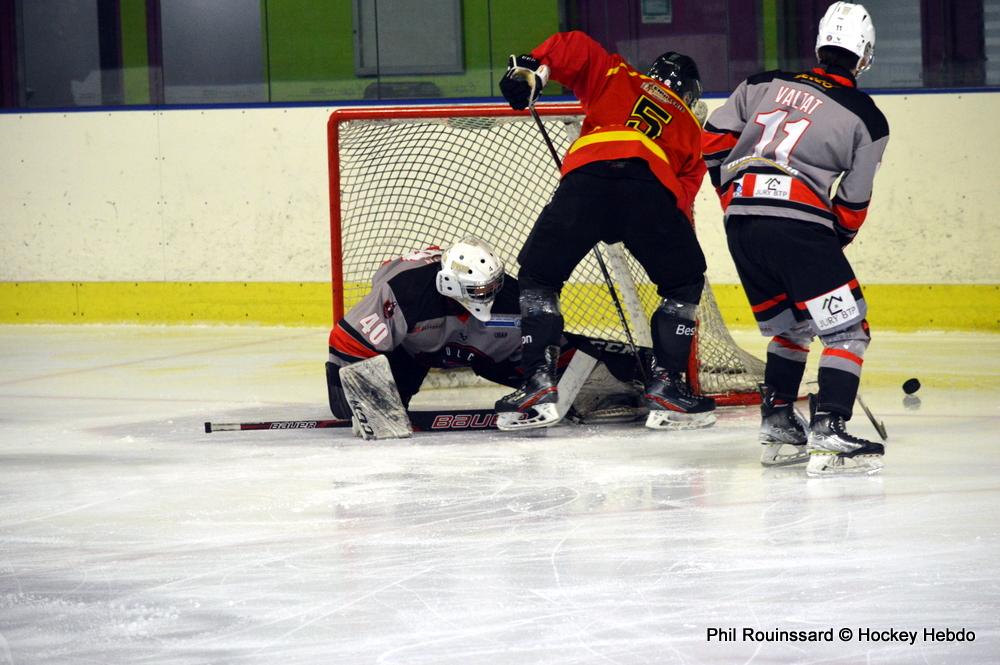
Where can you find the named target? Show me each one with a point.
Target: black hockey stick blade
(460, 420)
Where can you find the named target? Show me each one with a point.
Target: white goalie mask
(472, 274)
(849, 26)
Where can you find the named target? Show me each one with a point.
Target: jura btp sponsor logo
(834, 308)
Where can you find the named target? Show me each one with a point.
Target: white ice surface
(128, 535)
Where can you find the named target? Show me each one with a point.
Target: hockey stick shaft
(597, 256)
(877, 424)
(422, 421)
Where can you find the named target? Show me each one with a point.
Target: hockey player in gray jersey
(774, 150)
(458, 309)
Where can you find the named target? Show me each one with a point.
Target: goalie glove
(523, 82)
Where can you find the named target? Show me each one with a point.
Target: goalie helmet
(679, 73)
(848, 26)
(472, 274)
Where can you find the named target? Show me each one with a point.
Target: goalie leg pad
(376, 407)
(606, 399)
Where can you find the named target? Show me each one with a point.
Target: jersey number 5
(772, 122)
(374, 329)
(647, 113)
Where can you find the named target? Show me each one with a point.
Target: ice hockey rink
(128, 535)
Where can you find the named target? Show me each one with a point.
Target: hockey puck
(911, 386)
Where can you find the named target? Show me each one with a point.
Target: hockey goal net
(404, 178)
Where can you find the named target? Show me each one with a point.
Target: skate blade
(826, 465)
(771, 455)
(674, 420)
(542, 415)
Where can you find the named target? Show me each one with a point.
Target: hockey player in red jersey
(459, 309)
(631, 176)
(774, 150)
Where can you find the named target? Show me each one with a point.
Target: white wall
(241, 195)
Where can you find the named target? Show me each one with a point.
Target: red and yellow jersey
(628, 115)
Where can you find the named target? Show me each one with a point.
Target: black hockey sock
(672, 338)
(541, 326)
(837, 390)
(537, 332)
(784, 376)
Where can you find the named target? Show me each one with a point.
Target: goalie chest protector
(404, 309)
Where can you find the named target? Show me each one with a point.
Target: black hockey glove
(523, 82)
(338, 401)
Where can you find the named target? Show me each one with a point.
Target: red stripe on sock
(840, 353)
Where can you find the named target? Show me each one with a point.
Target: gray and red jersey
(780, 142)
(405, 310)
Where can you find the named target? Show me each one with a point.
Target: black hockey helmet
(679, 73)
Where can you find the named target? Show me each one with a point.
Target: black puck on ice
(911, 386)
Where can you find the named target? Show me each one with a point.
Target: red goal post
(405, 177)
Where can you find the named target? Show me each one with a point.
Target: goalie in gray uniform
(775, 150)
(459, 309)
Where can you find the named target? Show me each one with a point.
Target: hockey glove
(523, 82)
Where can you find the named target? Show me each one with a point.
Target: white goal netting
(405, 178)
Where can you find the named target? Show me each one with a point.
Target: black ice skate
(672, 405)
(781, 425)
(534, 403)
(832, 451)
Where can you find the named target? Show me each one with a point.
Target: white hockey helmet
(849, 26)
(472, 274)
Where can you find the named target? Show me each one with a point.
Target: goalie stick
(597, 255)
(460, 420)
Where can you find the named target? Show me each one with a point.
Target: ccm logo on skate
(684, 330)
(464, 421)
(304, 424)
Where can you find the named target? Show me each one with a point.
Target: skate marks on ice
(128, 535)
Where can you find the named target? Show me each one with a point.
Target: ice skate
(672, 405)
(782, 431)
(534, 403)
(832, 451)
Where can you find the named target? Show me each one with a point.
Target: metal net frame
(406, 178)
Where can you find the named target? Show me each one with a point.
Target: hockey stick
(423, 421)
(877, 424)
(597, 256)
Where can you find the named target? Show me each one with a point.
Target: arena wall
(220, 216)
